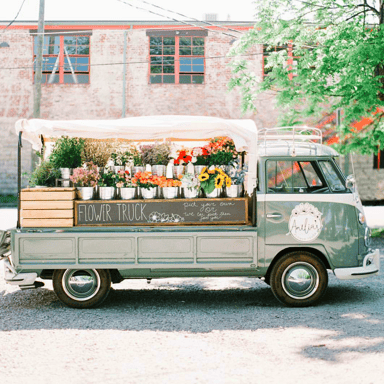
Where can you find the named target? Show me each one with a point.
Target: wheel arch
(46, 274)
(284, 251)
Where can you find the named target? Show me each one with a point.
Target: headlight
(367, 237)
(361, 218)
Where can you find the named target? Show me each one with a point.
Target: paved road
(228, 330)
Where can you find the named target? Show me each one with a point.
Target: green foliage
(67, 152)
(378, 232)
(107, 179)
(338, 49)
(221, 158)
(44, 174)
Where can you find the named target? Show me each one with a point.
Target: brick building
(108, 70)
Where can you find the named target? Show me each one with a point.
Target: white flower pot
(214, 194)
(106, 193)
(178, 170)
(137, 169)
(85, 193)
(65, 173)
(170, 192)
(117, 168)
(190, 193)
(199, 169)
(148, 193)
(127, 193)
(233, 191)
(159, 170)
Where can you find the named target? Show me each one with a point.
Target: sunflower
(203, 176)
(219, 181)
(228, 181)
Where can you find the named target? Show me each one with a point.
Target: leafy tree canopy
(337, 61)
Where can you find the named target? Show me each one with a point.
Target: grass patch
(378, 232)
(8, 201)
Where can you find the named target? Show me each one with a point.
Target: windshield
(332, 177)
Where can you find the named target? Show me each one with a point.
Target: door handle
(274, 215)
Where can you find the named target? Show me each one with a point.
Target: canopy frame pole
(20, 145)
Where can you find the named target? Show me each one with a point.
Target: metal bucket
(198, 169)
(65, 173)
(233, 191)
(159, 170)
(190, 193)
(214, 194)
(170, 192)
(148, 193)
(66, 183)
(117, 168)
(127, 193)
(85, 193)
(106, 193)
(137, 169)
(178, 170)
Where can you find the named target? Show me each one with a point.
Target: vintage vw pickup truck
(304, 218)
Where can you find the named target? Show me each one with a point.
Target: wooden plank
(64, 204)
(41, 196)
(49, 223)
(49, 189)
(47, 214)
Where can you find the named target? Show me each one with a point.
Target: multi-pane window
(65, 59)
(176, 60)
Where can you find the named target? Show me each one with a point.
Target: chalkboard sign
(161, 212)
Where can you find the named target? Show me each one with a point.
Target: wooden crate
(47, 207)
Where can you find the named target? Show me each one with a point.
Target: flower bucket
(178, 170)
(170, 192)
(190, 193)
(127, 193)
(233, 191)
(106, 193)
(85, 193)
(158, 170)
(65, 173)
(214, 194)
(198, 169)
(148, 193)
(65, 183)
(137, 169)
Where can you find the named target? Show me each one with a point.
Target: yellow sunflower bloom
(211, 172)
(204, 170)
(228, 181)
(219, 181)
(203, 176)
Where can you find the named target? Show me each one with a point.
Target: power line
(129, 62)
(173, 19)
(15, 17)
(180, 14)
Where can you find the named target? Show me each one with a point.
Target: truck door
(307, 204)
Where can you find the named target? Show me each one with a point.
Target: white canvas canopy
(243, 132)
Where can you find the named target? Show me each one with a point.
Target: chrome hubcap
(81, 285)
(300, 280)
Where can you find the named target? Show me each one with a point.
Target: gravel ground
(225, 330)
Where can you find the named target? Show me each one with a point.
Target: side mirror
(350, 182)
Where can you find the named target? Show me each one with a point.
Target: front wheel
(299, 279)
(81, 288)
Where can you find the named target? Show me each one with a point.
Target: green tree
(338, 50)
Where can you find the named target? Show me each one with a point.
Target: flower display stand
(47, 207)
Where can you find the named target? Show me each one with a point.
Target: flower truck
(290, 221)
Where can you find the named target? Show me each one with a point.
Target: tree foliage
(338, 54)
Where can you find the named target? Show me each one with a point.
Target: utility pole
(39, 62)
(346, 157)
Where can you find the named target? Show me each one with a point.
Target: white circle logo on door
(305, 222)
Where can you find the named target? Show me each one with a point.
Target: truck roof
(290, 148)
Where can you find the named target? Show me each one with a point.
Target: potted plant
(67, 154)
(237, 175)
(106, 185)
(190, 185)
(137, 159)
(212, 180)
(222, 152)
(98, 152)
(184, 157)
(125, 185)
(200, 158)
(169, 187)
(147, 183)
(157, 155)
(44, 175)
(85, 179)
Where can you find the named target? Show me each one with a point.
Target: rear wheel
(299, 279)
(81, 288)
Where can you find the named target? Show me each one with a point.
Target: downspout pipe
(20, 145)
(124, 73)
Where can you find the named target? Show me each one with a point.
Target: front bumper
(371, 267)
(23, 280)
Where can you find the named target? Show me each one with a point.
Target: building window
(65, 59)
(378, 160)
(176, 60)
